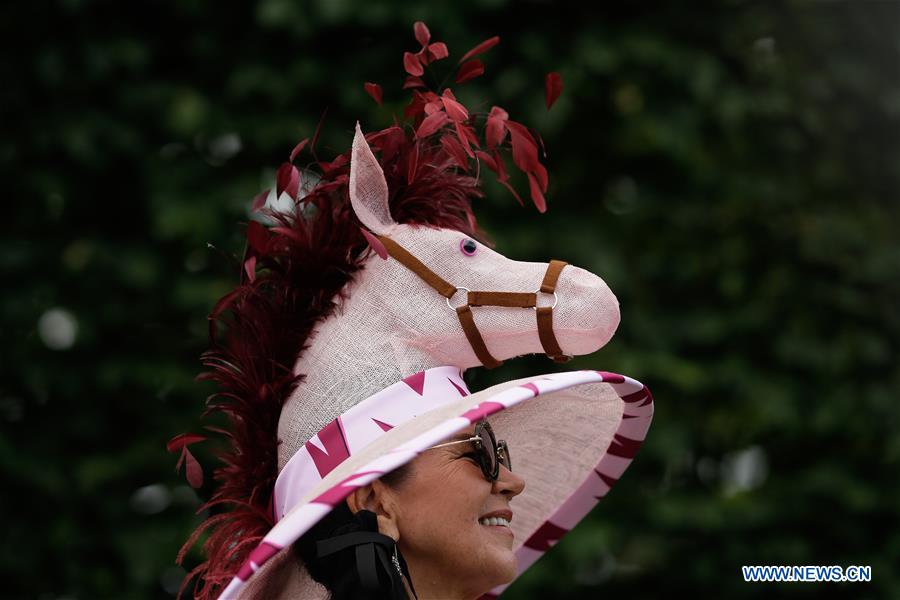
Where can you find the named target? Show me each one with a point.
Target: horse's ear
(368, 188)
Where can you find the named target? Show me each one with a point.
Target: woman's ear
(381, 500)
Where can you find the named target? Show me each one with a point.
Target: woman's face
(441, 509)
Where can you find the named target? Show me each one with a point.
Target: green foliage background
(730, 168)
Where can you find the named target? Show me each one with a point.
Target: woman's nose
(508, 483)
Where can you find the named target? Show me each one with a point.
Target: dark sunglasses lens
(489, 452)
(503, 451)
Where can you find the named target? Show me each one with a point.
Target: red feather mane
(295, 274)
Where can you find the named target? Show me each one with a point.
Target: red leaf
(501, 166)
(298, 148)
(536, 196)
(431, 123)
(374, 90)
(455, 110)
(375, 243)
(540, 173)
(482, 47)
(470, 70)
(452, 147)
(438, 51)
(193, 470)
(486, 159)
(499, 113)
(259, 201)
(433, 107)
(495, 132)
(183, 439)
(461, 134)
(412, 65)
(505, 184)
(258, 236)
(413, 82)
(413, 163)
(552, 87)
(541, 142)
(394, 139)
(423, 56)
(374, 138)
(524, 148)
(421, 32)
(250, 268)
(470, 133)
(329, 167)
(416, 106)
(287, 180)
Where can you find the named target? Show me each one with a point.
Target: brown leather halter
(508, 299)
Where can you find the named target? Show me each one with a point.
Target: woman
(463, 553)
(410, 486)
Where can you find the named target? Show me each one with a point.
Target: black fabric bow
(374, 550)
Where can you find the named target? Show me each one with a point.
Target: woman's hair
(338, 572)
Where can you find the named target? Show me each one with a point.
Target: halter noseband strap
(474, 298)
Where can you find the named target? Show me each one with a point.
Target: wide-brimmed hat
(572, 435)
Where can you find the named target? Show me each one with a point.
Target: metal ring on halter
(555, 299)
(454, 293)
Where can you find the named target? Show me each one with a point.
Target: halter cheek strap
(544, 314)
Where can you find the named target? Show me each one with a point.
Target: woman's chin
(503, 565)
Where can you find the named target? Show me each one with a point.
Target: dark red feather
(300, 145)
(258, 237)
(182, 440)
(287, 180)
(454, 149)
(259, 201)
(412, 163)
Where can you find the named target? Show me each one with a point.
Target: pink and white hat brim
(571, 436)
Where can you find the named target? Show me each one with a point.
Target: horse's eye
(468, 246)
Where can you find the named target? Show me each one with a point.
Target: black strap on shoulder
(373, 550)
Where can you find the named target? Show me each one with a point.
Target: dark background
(729, 168)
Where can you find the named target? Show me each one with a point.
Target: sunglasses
(489, 452)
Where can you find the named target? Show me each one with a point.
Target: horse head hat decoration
(408, 310)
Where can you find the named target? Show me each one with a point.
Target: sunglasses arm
(466, 441)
